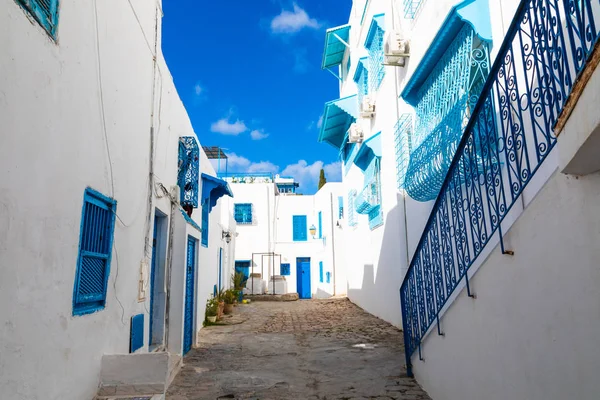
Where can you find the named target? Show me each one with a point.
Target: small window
(95, 252)
(285, 269)
(299, 228)
(205, 216)
(320, 225)
(45, 13)
(328, 277)
(243, 213)
(340, 207)
(320, 271)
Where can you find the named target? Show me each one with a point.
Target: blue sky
(249, 74)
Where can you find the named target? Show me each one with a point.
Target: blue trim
(205, 222)
(334, 51)
(378, 22)
(360, 68)
(300, 228)
(320, 225)
(44, 12)
(190, 221)
(369, 149)
(190, 294)
(213, 189)
(321, 271)
(337, 118)
(473, 12)
(362, 18)
(90, 243)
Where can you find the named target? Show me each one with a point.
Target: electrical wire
(115, 285)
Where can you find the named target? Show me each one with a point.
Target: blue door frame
(188, 324)
(303, 277)
(152, 278)
(220, 267)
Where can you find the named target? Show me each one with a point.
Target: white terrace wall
(77, 113)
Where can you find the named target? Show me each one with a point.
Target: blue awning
(213, 189)
(189, 220)
(378, 21)
(360, 67)
(334, 47)
(337, 117)
(473, 12)
(369, 149)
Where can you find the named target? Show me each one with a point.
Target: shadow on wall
(379, 292)
(323, 294)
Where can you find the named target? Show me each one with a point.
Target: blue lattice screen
(352, 220)
(299, 227)
(95, 250)
(402, 138)
(340, 207)
(411, 7)
(446, 99)
(284, 269)
(376, 59)
(361, 77)
(188, 172)
(45, 13)
(243, 213)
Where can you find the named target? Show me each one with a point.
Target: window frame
(244, 220)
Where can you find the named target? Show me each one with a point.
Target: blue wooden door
(152, 278)
(188, 321)
(303, 278)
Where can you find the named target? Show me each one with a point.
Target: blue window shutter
(284, 269)
(136, 338)
(320, 271)
(300, 233)
(320, 225)
(205, 216)
(243, 213)
(45, 12)
(188, 172)
(95, 252)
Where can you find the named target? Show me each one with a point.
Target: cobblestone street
(311, 349)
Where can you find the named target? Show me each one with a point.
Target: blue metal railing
(508, 137)
(411, 7)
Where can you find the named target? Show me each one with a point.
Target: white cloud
(293, 21)
(237, 163)
(333, 172)
(198, 89)
(227, 127)
(263, 166)
(258, 134)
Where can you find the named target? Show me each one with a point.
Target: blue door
(188, 321)
(152, 278)
(303, 278)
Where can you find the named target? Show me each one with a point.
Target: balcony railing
(508, 137)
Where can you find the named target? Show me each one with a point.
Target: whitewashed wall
(56, 137)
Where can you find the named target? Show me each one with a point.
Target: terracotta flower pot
(220, 309)
(228, 308)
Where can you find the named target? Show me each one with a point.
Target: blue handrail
(508, 137)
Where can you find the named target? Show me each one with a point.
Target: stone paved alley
(311, 349)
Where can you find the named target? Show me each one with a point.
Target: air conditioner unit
(367, 108)
(355, 134)
(396, 49)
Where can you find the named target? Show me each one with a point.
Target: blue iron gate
(508, 137)
(188, 324)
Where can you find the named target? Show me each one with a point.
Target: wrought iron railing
(508, 137)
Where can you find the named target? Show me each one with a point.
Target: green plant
(230, 296)
(220, 295)
(212, 306)
(237, 280)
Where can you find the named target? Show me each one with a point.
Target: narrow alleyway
(316, 349)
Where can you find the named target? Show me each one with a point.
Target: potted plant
(221, 303)
(211, 310)
(230, 298)
(238, 281)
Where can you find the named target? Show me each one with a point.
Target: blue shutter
(188, 173)
(299, 226)
(320, 225)
(205, 216)
(320, 271)
(243, 213)
(45, 13)
(95, 251)
(136, 337)
(284, 269)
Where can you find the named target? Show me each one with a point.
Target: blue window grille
(284, 269)
(368, 200)
(188, 173)
(374, 45)
(95, 251)
(45, 12)
(320, 225)
(321, 271)
(243, 213)
(352, 219)
(509, 135)
(300, 232)
(402, 138)
(411, 7)
(328, 277)
(445, 101)
(361, 77)
(205, 217)
(340, 207)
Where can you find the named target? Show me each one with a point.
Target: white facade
(268, 240)
(84, 111)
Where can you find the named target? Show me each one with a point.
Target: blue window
(352, 220)
(374, 44)
(361, 77)
(320, 271)
(188, 172)
(45, 13)
(284, 269)
(243, 213)
(205, 216)
(328, 277)
(411, 7)
(299, 228)
(320, 225)
(403, 133)
(95, 251)
(340, 207)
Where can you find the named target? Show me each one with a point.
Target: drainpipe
(332, 240)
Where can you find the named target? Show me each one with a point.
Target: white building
(297, 237)
(458, 189)
(96, 256)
